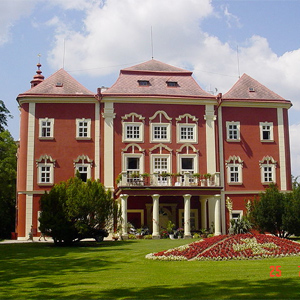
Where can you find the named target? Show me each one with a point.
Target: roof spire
(38, 78)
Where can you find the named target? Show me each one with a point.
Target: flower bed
(224, 247)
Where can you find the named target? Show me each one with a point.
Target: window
(187, 163)
(236, 214)
(133, 132)
(143, 82)
(160, 132)
(193, 218)
(84, 171)
(268, 170)
(187, 133)
(266, 131)
(45, 174)
(234, 170)
(45, 165)
(161, 165)
(233, 131)
(83, 128)
(46, 128)
(172, 83)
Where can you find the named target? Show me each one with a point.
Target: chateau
(167, 149)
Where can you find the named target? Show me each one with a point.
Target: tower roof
(60, 83)
(248, 88)
(159, 80)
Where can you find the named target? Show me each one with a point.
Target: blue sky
(94, 39)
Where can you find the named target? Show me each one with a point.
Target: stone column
(187, 216)
(217, 214)
(155, 232)
(124, 215)
(203, 213)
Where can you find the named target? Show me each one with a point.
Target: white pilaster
(30, 166)
(203, 213)
(187, 215)
(217, 214)
(97, 141)
(281, 145)
(108, 116)
(210, 138)
(124, 198)
(155, 232)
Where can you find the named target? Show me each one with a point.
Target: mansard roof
(59, 84)
(247, 88)
(157, 75)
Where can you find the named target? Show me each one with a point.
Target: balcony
(130, 179)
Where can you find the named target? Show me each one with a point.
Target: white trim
(168, 133)
(236, 211)
(187, 125)
(271, 137)
(30, 147)
(238, 131)
(88, 127)
(51, 171)
(160, 112)
(51, 136)
(169, 161)
(125, 126)
(97, 141)
(234, 162)
(281, 145)
(83, 165)
(28, 217)
(210, 118)
(125, 156)
(108, 151)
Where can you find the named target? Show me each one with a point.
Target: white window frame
(140, 139)
(181, 217)
(272, 171)
(88, 171)
(229, 138)
(51, 173)
(168, 133)
(161, 180)
(133, 155)
(261, 126)
(240, 212)
(51, 127)
(88, 127)
(238, 171)
(194, 140)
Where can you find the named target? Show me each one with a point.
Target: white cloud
(295, 149)
(10, 12)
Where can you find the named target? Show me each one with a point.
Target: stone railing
(156, 179)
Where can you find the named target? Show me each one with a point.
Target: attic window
(251, 89)
(172, 83)
(143, 82)
(59, 84)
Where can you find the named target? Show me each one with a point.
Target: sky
(218, 40)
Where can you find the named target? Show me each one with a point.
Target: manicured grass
(119, 270)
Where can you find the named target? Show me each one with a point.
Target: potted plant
(180, 233)
(170, 229)
(178, 179)
(139, 233)
(207, 176)
(197, 176)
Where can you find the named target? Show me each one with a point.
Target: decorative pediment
(160, 147)
(83, 159)
(45, 159)
(234, 160)
(133, 146)
(186, 117)
(161, 114)
(187, 146)
(269, 160)
(132, 115)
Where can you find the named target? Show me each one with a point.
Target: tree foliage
(74, 210)
(276, 212)
(8, 173)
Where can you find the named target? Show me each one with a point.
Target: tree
(8, 173)
(276, 212)
(74, 210)
(4, 113)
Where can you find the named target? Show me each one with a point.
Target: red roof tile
(248, 88)
(157, 73)
(60, 83)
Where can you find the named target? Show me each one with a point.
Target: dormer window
(59, 84)
(172, 83)
(251, 89)
(143, 82)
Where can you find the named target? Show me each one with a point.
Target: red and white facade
(153, 122)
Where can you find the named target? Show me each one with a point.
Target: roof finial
(38, 78)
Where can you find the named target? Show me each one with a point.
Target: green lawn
(118, 270)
